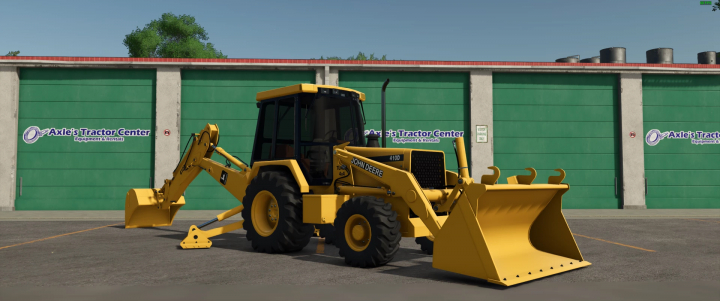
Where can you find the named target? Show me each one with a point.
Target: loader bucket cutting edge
(141, 210)
(517, 233)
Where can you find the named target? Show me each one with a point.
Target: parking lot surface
(658, 259)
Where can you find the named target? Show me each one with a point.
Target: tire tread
(385, 240)
(294, 235)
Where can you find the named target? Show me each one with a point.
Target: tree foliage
(12, 53)
(171, 36)
(359, 57)
(716, 6)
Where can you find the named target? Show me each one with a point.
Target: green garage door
(85, 137)
(226, 98)
(568, 121)
(429, 107)
(682, 172)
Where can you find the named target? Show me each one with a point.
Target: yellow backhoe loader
(312, 168)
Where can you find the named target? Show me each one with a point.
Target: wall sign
(33, 133)
(417, 136)
(481, 134)
(654, 136)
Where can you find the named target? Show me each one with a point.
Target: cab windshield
(326, 121)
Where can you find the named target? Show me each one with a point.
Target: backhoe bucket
(142, 209)
(508, 234)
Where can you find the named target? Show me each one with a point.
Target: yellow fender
(292, 165)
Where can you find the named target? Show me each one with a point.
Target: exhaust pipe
(387, 81)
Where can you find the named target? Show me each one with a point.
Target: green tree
(359, 57)
(12, 53)
(171, 36)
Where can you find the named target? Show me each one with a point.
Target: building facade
(80, 132)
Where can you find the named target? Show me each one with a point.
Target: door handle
(20, 186)
(615, 186)
(645, 186)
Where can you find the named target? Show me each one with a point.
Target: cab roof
(301, 88)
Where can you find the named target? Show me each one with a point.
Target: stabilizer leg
(199, 239)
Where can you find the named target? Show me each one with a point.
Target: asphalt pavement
(632, 259)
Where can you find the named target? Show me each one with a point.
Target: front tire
(273, 214)
(367, 232)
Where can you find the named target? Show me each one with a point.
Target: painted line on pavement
(56, 236)
(702, 220)
(321, 246)
(612, 242)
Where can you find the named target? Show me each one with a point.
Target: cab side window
(264, 137)
(285, 141)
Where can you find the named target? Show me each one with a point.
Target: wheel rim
(358, 233)
(265, 213)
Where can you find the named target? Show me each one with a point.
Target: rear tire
(367, 232)
(286, 233)
(426, 245)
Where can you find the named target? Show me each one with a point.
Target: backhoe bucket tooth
(142, 209)
(508, 234)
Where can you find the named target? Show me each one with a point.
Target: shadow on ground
(408, 262)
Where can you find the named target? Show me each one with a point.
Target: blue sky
(408, 30)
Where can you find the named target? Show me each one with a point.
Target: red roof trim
(343, 62)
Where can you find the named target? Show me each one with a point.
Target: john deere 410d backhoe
(311, 168)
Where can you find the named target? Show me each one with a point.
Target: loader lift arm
(483, 218)
(398, 182)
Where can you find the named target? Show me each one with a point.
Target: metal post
(383, 111)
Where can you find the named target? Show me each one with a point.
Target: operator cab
(303, 122)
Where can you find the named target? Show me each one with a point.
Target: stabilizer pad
(196, 239)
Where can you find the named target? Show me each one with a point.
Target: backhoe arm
(198, 159)
(234, 181)
(157, 207)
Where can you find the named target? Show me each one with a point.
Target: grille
(428, 169)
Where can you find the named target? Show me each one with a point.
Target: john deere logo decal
(223, 177)
(372, 169)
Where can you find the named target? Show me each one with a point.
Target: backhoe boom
(157, 207)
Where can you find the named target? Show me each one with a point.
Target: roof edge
(300, 88)
(127, 60)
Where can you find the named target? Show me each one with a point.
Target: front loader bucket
(508, 234)
(142, 209)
